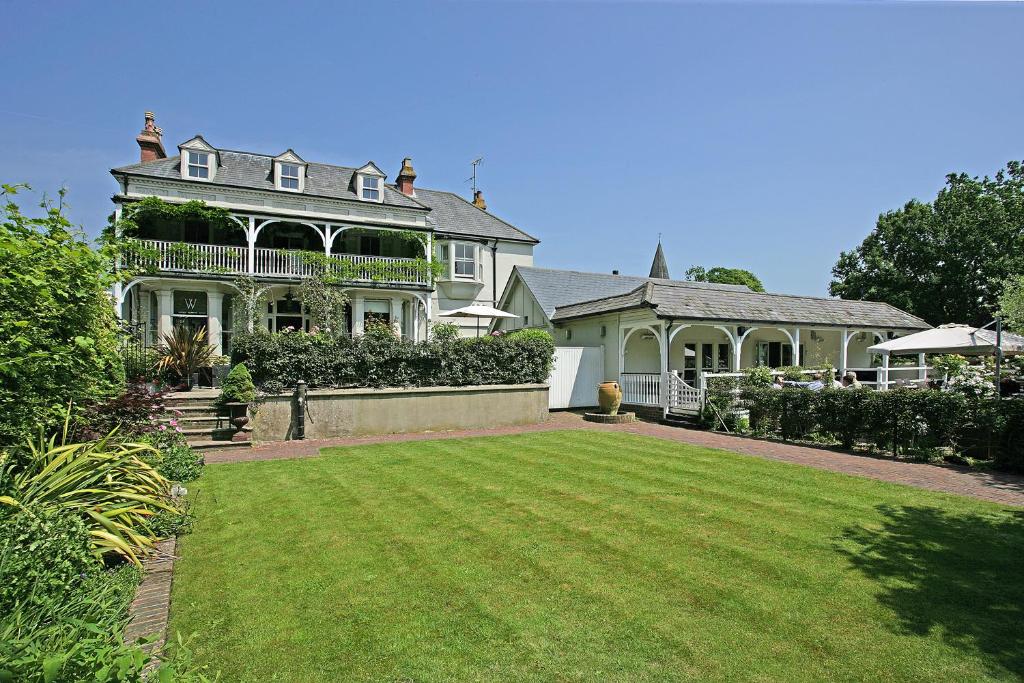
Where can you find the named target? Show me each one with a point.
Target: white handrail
(641, 388)
(233, 260)
(682, 395)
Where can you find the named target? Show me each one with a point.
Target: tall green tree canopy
(1011, 303)
(944, 261)
(725, 276)
(58, 330)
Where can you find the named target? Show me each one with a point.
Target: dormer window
(289, 172)
(289, 177)
(199, 159)
(199, 165)
(368, 183)
(371, 188)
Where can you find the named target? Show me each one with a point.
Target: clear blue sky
(760, 136)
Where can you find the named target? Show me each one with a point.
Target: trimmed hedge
(380, 359)
(899, 421)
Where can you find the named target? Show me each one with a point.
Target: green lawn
(586, 556)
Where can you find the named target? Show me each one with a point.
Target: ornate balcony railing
(181, 257)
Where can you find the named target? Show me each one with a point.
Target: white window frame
(362, 188)
(472, 258)
(189, 164)
(282, 176)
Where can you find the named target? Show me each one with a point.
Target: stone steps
(210, 445)
(685, 419)
(201, 424)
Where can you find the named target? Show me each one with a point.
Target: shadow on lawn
(962, 574)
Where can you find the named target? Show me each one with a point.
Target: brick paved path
(153, 599)
(1007, 489)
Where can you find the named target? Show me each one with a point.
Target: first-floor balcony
(159, 256)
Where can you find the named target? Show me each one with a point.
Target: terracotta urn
(609, 397)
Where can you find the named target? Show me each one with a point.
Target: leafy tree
(944, 261)
(725, 276)
(59, 339)
(1011, 303)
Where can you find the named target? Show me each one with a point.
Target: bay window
(460, 260)
(465, 260)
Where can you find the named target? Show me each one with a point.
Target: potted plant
(183, 352)
(236, 395)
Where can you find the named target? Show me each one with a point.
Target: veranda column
(357, 314)
(663, 351)
(164, 320)
(250, 236)
(415, 310)
(215, 321)
(922, 374)
(396, 314)
(796, 347)
(883, 374)
(622, 354)
(737, 349)
(844, 341)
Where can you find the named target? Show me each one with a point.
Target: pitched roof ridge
(488, 213)
(631, 292)
(784, 294)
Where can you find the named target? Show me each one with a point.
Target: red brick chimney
(150, 146)
(478, 200)
(406, 177)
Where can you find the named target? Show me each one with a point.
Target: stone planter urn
(609, 397)
(239, 418)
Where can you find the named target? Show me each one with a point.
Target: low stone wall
(360, 412)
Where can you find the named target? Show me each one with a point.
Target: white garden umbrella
(952, 338)
(477, 311)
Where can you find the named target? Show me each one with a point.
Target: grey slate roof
(256, 172)
(671, 299)
(448, 212)
(555, 288)
(453, 214)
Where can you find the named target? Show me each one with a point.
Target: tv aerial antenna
(476, 162)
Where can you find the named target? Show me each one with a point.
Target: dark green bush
(378, 358)
(1009, 442)
(176, 461)
(898, 421)
(238, 386)
(43, 555)
(58, 333)
(840, 414)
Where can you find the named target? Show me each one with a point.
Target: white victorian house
(660, 337)
(285, 207)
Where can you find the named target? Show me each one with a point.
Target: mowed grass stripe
(492, 558)
(566, 557)
(793, 576)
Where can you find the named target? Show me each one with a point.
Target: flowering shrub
(134, 412)
(972, 380)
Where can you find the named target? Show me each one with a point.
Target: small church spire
(659, 268)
